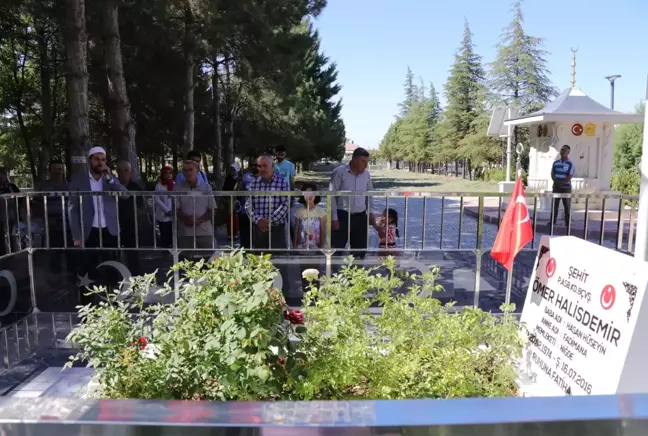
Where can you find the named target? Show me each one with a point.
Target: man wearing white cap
(99, 214)
(94, 224)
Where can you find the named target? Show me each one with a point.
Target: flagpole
(509, 281)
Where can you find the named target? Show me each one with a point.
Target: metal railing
(426, 219)
(451, 222)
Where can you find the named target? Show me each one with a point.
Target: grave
(586, 319)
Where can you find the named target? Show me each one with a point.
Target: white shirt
(162, 204)
(343, 179)
(99, 220)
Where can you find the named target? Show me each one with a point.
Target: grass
(403, 180)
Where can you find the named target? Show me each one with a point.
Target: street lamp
(612, 79)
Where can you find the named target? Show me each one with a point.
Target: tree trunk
(188, 144)
(229, 150)
(217, 157)
(47, 117)
(76, 41)
(123, 127)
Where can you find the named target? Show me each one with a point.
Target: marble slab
(55, 382)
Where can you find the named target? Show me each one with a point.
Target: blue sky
(373, 42)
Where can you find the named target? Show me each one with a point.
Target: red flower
(141, 342)
(294, 316)
(282, 361)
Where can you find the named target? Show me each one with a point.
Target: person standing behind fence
(99, 213)
(562, 172)
(94, 224)
(245, 231)
(193, 156)
(58, 229)
(8, 210)
(195, 210)
(55, 183)
(164, 206)
(349, 214)
(130, 216)
(268, 212)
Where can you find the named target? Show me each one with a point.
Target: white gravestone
(585, 320)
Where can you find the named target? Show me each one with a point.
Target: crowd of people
(260, 222)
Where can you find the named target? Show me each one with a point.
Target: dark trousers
(565, 201)
(58, 239)
(245, 235)
(166, 233)
(90, 259)
(353, 228)
(129, 240)
(274, 239)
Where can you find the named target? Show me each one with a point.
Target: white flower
(310, 274)
(150, 351)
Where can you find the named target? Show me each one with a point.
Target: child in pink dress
(387, 230)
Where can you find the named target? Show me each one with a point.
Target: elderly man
(194, 156)
(195, 209)
(268, 213)
(349, 214)
(59, 229)
(95, 223)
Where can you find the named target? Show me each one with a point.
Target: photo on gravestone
(585, 321)
(15, 291)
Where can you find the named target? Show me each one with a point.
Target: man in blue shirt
(284, 167)
(194, 156)
(562, 172)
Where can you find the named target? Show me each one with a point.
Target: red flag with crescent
(515, 229)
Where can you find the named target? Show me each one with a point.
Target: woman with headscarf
(164, 206)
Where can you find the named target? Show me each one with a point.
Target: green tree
(464, 94)
(519, 75)
(628, 140)
(411, 93)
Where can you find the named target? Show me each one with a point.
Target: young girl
(310, 221)
(387, 229)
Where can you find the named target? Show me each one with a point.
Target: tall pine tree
(411, 93)
(519, 76)
(464, 94)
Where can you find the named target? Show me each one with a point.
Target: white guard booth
(587, 127)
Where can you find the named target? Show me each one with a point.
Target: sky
(373, 41)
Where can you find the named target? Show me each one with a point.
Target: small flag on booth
(515, 229)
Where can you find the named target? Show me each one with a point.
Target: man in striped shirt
(268, 212)
(562, 172)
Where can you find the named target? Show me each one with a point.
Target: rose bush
(224, 337)
(230, 336)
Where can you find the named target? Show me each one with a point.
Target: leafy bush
(626, 181)
(499, 175)
(214, 342)
(414, 348)
(227, 338)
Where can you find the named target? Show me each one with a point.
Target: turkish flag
(515, 230)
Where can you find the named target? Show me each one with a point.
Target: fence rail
(425, 219)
